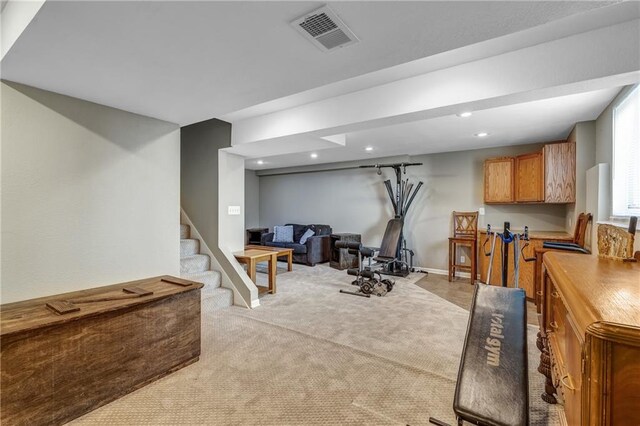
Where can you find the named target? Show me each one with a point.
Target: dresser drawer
(557, 328)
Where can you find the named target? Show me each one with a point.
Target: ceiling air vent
(324, 29)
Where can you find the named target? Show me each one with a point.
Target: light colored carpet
(312, 356)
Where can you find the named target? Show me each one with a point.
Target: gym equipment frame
(401, 200)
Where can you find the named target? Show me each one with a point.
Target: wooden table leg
(290, 261)
(273, 264)
(251, 270)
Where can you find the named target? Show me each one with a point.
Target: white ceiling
(397, 89)
(530, 122)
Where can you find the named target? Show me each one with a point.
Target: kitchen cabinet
(546, 176)
(560, 172)
(529, 178)
(498, 180)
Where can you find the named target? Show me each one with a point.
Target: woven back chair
(465, 233)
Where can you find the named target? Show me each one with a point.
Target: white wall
(230, 193)
(355, 200)
(90, 194)
(604, 154)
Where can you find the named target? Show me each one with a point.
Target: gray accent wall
(210, 181)
(584, 135)
(355, 200)
(251, 199)
(90, 194)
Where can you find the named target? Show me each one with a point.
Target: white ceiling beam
(286, 145)
(582, 62)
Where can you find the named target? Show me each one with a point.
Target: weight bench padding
(353, 245)
(493, 386)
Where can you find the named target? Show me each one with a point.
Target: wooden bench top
(34, 314)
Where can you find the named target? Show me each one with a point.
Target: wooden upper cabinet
(546, 176)
(560, 172)
(529, 178)
(498, 180)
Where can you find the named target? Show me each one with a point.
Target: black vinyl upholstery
(492, 387)
(390, 241)
(557, 245)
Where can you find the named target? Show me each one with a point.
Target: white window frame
(619, 171)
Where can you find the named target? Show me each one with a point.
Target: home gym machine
(368, 278)
(492, 387)
(507, 237)
(368, 281)
(404, 195)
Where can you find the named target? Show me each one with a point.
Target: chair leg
(451, 244)
(474, 265)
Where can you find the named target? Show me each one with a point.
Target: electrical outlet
(481, 211)
(234, 210)
(462, 259)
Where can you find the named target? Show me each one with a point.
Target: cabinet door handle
(539, 292)
(565, 384)
(553, 325)
(555, 294)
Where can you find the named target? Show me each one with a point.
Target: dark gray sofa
(315, 250)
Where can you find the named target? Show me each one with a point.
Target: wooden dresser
(590, 338)
(527, 269)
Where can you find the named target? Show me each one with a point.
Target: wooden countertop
(34, 313)
(603, 294)
(538, 235)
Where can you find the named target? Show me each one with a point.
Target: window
(626, 156)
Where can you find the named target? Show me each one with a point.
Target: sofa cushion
(283, 234)
(298, 231)
(297, 248)
(308, 233)
(321, 229)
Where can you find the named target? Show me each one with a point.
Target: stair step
(185, 232)
(211, 280)
(189, 247)
(219, 298)
(194, 264)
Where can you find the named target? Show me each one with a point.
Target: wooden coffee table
(251, 257)
(280, 253)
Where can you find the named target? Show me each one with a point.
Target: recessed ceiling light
(369, 148)
(464, 114)
(314, 155)
(482, 134)
(260, 162)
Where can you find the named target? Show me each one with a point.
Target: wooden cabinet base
(527, 269)
(56, 367)
(590, 338)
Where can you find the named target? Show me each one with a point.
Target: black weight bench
(493, 387)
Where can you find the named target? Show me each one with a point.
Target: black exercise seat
(390, 241)
(493, 387)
